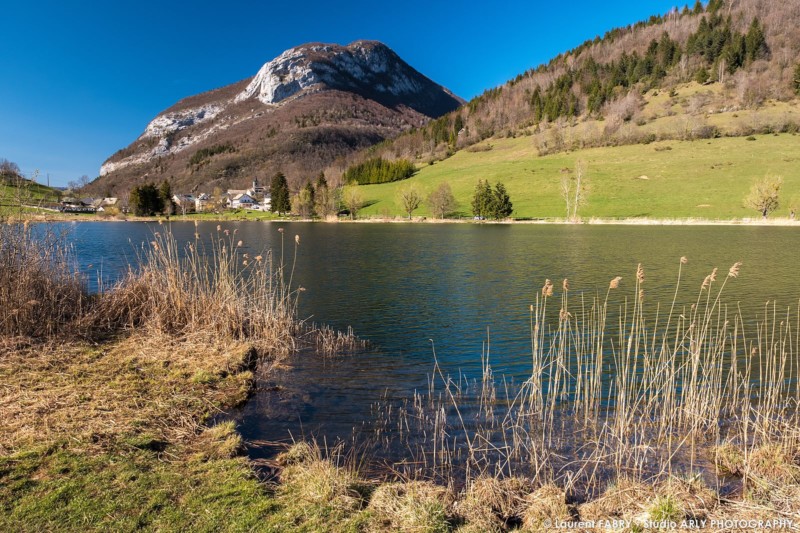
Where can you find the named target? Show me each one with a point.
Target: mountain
(673, 117)
(717, 69)
(301, 112)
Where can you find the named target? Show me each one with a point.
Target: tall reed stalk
(41, 291)
(216, 288)
(638, 398)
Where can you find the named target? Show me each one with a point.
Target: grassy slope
(33, 191)
(704, 178)
(691, 179)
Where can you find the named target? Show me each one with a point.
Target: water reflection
(401, 286)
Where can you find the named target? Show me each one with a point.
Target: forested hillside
(673, 76)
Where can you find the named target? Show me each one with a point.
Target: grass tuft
(547, 503)
(414, 506)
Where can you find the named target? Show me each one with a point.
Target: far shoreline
(597, 221)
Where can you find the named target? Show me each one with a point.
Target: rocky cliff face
(300, 112)
(364, 67)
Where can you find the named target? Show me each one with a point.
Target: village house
(185, 203)
(102, 205)
(242, 200)
(74, 205)
(257, 190)
(202, 202)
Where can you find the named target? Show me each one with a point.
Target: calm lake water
(409, 287)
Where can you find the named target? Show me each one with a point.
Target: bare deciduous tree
(441, 200)
(566, 192)
(575, 190)
(410, 198)
(763, 196)
(325, 202)
(303, 203)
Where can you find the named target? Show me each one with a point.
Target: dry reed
(40, 289)
(642, 397)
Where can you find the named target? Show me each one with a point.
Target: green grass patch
(705, 179)
(58, 489)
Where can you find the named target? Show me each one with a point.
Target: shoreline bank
(596, 221)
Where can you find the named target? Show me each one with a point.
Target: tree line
(378, 170)
(148, 200)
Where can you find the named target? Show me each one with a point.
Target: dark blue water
(413, 288)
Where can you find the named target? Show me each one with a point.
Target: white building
(241, 200)
(257, 190)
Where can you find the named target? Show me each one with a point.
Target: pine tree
(165, 193)
(324, 199)
(701, 76)
(482, 199)
(146, 200)
(279, 192)
(755, 42)
(501, 204)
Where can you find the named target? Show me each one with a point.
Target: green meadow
(705, 179)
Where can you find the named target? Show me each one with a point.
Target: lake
(410, 289)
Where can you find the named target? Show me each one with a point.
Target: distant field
(668, 179)
(33, 191)
(32, 194)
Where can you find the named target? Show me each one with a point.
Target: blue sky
(83, 79)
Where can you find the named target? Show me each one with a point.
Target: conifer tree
(482, 199)
(279, 192)
(146, 200)
(755, 42)
(501, 204)
(165, 192)
(324, 199)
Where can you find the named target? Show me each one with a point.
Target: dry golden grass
(414, 506)
(772, 463)
(218, 442)
(492, 503)
(318, 482)
(300, 452)
(624, 498)
(691, 496)
(728, 459)
(94, 395)
(40, 290)
(547, 503)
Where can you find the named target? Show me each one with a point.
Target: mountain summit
(365, 67)
(303, 110)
